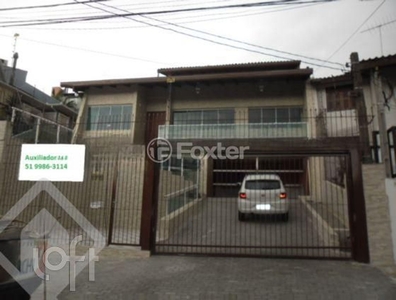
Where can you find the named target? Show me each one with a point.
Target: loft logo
(46, 252)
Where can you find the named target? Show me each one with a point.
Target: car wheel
(241, 216)
(285, 217)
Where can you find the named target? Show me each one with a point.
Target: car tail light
(242, 195)
(282, 196)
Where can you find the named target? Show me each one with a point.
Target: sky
(137, 46)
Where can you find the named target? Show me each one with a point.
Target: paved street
(186, 277)
(215, 223)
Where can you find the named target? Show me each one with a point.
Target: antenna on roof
(16, 35)
(379, 27)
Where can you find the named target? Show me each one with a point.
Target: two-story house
(270, 109)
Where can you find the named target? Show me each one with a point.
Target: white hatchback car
(262, 194)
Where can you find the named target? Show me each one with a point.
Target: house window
(339, 99)
(218, 116)
(392, 149)
(98, 163)
(376, 147)
(112, 117)
(275, 115)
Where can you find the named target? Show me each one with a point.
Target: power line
(245, 43)
(162, 12)
(230, 16)
(378, 26)
(92, 51)
(221, 37)
(48, 5)
(356, 31)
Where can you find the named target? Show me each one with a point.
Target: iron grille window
(218, 116)
(275, 115)
(114, 117)
(339, 99)
(376, 147)
(392, 149)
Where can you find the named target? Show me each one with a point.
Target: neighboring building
(368, 93)
(27, 115)
(31, 105)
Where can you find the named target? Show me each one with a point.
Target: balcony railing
(234, 131)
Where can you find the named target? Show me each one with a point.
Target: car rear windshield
(262, 184)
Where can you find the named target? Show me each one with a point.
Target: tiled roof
(343, 79)
(381, 58)
(242, 67)
(383, 61)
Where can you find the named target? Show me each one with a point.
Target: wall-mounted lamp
(197, 88)
(261, 86)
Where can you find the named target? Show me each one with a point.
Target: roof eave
(273, 74)
(46, 107)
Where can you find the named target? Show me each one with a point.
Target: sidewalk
(185, 277)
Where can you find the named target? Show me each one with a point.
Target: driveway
(212, 226)
(187, 277)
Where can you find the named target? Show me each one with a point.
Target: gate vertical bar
(113, 199)
(357, 210)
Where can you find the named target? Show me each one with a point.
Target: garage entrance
(198, 207)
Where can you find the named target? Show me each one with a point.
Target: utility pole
(376, 88)
(361, 108)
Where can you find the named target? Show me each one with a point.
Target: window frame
(339, 99)
(391, 134)
(376, 147)
(125, 122)
(276, 117)
(201, 118)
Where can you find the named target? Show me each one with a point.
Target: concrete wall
(390, 114)
(378, 216)
(168, 223)
(140, 118)
(5, 131)
(327, 193)
(111, 96)
(239, 96)
(390, 185)
(312, 104)
(4, 134)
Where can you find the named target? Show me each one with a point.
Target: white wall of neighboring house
(342, 123)
(390, 111)
(390, 185)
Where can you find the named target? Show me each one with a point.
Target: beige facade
(378, 217)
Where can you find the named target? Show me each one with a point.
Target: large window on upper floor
(217, 116)
(109, 117)
(275, 115)
(339, 99)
